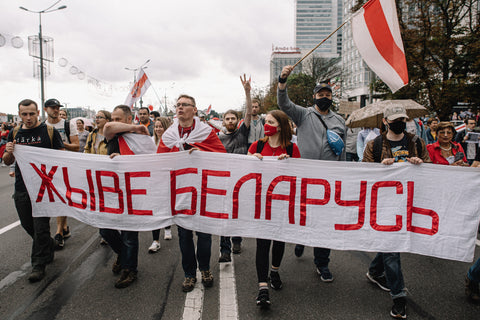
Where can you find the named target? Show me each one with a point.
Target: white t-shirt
(60, 126)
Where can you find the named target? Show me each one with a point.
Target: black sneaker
(325, 274)
(59, 242)
(225, 257)
(126, 278)
(237, 248)
(299, 250)
(471, 290)
(263, 299)
(380, 281)
(37, 274)
(275, 281)
(399, 308)
(66, 233)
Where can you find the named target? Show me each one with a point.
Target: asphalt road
(80, 285)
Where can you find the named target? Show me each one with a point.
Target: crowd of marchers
(292, 131)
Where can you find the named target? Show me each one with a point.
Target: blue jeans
(125, 244)
(474, 272)
(187, 248)
(226, 244)
(389, 263)
(320, 256)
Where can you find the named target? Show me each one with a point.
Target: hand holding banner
(338, 205)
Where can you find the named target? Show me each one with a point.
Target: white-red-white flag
(376, 33)
(209, 109)
(139, 88)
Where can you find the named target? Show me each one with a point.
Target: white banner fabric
(426, 209)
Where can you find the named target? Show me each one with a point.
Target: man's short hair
(255, 100)
(430, 120)
(470, 119)
(27, 102)
(126, 109)
(155, 114)
(231, 111)
(187, 97)
(144, 108)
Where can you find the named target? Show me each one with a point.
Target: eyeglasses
(184, 105)
(98, 117)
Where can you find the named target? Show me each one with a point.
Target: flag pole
(318, 45)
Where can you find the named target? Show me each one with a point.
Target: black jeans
(38, 228)
(262, 257)
(226, 244)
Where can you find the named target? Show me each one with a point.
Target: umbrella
(86, 122)
(371, 116)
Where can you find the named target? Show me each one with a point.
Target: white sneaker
(168, 234)
(154, 247)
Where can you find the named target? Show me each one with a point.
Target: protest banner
(338, 205)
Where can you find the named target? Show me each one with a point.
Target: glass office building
(314, 21)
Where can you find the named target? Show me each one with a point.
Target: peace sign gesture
(246, 83)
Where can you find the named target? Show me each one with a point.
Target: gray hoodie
(312, 135)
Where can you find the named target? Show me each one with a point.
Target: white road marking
(477, 242)
(9, 227)
(194, 301)
(14, 276)
(228, 292)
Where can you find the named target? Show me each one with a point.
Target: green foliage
(442, 46)
(300, 89)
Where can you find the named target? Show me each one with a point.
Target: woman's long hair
(285, 129)
(165, 124)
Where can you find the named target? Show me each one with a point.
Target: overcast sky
(195, 47)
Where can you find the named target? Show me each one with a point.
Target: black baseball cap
(321, 86)
(52, 103)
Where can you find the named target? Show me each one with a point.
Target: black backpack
(378, 142)
(261, 144)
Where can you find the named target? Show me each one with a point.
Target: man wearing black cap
(69, 135)
(312, 124)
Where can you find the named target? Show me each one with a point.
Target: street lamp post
(143, 66)
(40, 39)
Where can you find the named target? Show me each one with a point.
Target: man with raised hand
(37, 134)
(125, 243)
(186, 133)
(235, 140)
(312, 124)
(68, 132)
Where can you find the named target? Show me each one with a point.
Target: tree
(442, 47)
(321, 69)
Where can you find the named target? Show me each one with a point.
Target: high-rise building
(355, 73)
(314, 21)
(281, 57)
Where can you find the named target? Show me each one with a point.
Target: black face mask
(397, 127)
(323, 104)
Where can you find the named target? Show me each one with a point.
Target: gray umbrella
(371, 116)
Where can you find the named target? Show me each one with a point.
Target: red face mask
(269, 130)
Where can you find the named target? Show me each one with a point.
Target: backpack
(378, 142)
(261, 144)
(49, 131)
(66, 126)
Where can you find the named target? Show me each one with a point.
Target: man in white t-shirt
(68, 132)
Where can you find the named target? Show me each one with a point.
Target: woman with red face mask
(278, 135)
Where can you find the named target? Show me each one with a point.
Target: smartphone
(458, 156)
